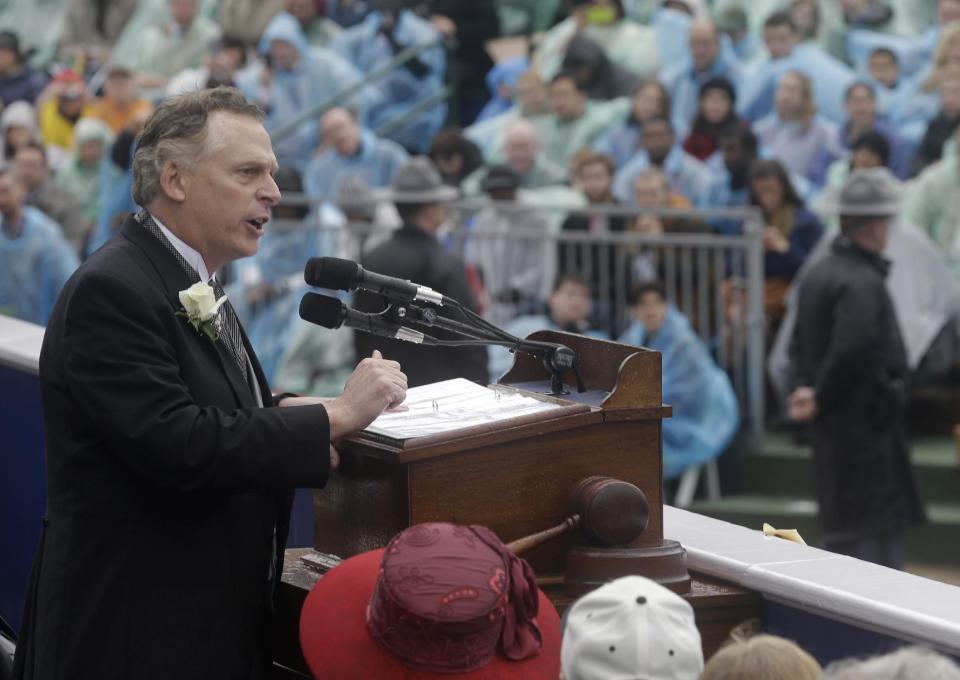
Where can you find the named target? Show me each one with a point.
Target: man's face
(884, 69)
(566, 101)
(72, 101)
(780, 41)
(651, 191)
(733, 154)
(704, 45)
(232, 189)
(865, 158)
(8, 60)
(223, 63)
(657, 140)
(283, 55)
(11, 196)
(120, 89)
(789, 98)
(861, 107)
(183, 11)
(520, 149)
(340, 131)
(595, 180)
(531, 94)
(650, 310)
(433, 215)
(31, 168)
(570, 304)
(947, 11)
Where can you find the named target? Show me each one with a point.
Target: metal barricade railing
(715, 280)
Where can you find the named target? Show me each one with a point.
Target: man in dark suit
(415, 254)
(169, 463)
(852, 381)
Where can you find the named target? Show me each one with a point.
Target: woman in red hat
(439, 600)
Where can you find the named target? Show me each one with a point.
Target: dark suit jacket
(413, 254)
(165, 482)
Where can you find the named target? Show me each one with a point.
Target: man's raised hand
(376, 384)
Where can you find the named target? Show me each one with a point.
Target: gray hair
(907, 663)
(177, 131)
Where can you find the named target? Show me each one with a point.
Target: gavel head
(612, 512)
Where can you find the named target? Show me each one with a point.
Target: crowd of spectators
(587, 119)
(613, 116)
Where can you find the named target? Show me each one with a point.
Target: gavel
(609, 511)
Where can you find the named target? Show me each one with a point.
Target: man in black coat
(852, 374)
(413, 253)
(170, 466)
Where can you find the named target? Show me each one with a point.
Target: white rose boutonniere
(200, 306)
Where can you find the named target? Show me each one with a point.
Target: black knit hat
(719, 83)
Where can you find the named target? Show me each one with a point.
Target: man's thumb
(376, 354)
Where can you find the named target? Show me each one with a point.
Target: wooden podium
(516, 476)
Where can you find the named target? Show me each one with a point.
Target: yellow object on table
(787, 534)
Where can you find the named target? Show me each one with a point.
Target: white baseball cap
(631, 628)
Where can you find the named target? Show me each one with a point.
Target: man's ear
(173, 182)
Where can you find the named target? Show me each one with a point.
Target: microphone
(335, 273)
(330, 312)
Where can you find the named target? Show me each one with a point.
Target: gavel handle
(522, 545)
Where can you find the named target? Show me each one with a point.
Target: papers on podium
(454, 405)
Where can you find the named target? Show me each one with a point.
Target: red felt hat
(337, 642)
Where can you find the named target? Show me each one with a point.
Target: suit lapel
(176, 279)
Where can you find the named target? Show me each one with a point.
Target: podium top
(622, 383)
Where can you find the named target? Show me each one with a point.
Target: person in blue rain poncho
(373, 43)
(35, 258)
(290, 78)
(350, 150)
(705, 411)
(912, 52)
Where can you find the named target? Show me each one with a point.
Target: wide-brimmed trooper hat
(418, 181)
(868, 192)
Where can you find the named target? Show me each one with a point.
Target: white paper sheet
(454, 405)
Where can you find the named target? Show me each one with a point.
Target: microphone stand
(557, 359)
